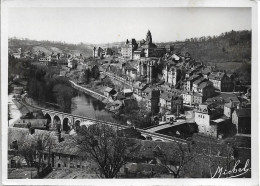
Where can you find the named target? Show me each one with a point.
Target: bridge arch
(66, 124)
(49, 119)
(57, 122)
(77, 124)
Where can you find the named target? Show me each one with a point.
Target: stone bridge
(68, 121)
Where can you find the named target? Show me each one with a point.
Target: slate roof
(243, 112)
(147, 90)
(108, 89)
(203, 108)
(216, 75)
(231, 104)
(165, 87)
(197, 94)
(204, 84)
(197, 82)
(166, 96)
(120, 96)
(206, 71)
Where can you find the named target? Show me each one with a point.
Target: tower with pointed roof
(149, 39)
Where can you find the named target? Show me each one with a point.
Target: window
(71, 158)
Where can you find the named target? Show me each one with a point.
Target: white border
(134, 3)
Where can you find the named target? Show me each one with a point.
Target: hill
(228, 47)
(49, 47)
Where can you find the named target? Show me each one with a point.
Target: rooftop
(243, 112)
(216, 75)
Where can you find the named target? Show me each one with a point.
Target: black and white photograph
(129, 92)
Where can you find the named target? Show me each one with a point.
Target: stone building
(171, 74)
(203, 116)
(147, 69)
(171, 102)
(241, 117)
(152, 100)
(229, 108)
(145, 48)
(127, 51)
(98, 52)
(221, 81)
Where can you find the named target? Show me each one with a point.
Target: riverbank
(14, 111)
(88, 91)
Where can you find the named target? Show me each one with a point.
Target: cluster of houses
(181, 81)
(50, 60)
(100, 53)
(225, 110)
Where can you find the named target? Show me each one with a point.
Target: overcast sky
(103, 25)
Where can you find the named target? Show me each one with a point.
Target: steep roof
(166, 96)
(197, 82)
(206, 71)
(147, 90)
(108, 89)
(204, 84)
(217, 75)
(231, 104)
(193, 77)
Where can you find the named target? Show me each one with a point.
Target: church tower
(149, 37)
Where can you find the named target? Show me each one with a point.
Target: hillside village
(154, 87)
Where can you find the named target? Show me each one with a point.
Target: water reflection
(86, 105)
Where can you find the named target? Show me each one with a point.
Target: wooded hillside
(49, 46)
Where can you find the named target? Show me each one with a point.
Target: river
(86, 105)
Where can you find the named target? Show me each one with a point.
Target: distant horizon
(87, 43)
(107, 25)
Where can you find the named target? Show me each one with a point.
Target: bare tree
(27, 149)
(176, 162)
(102, 145)
(34, 146)
(45, 142)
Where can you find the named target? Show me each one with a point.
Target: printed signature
(235, 172)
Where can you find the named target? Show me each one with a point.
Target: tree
(43, 142)
(27, 149)
(102, 145)
(136, 114)
(177, 161)
(87, 75)
(95, 72)
(63, 94)
(33, 146)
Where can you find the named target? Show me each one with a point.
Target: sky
(106, 25)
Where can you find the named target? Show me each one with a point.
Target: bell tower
(149, 39)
